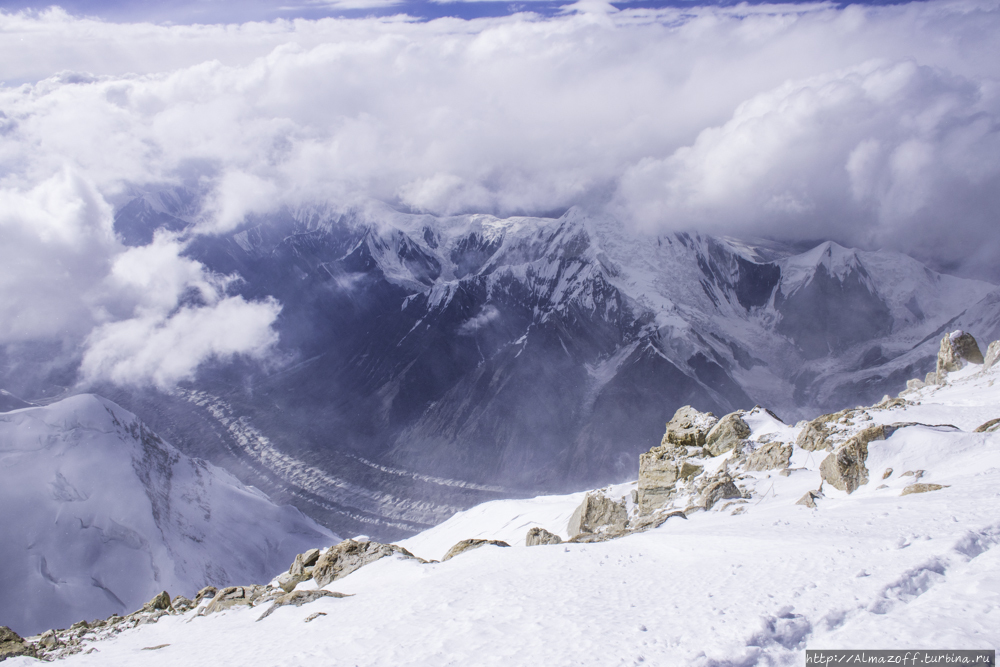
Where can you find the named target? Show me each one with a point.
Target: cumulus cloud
(875, 126)
(884, 154)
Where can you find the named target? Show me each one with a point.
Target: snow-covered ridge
(99, 514)
(752, 582)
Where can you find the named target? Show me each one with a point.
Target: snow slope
(746, 584)
(99, 514)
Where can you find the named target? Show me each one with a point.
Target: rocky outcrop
(469, 545)
(957, 348)
(992, 354)
(770, 456)
(726, 434)
(538, 536)
(721, 489)
(207, 592)
(11, 645)
(350, 555)
(299, 598)
(300, 570)
(989, 427)
(688, 428)
(659, 470)
(234, 596)
(597, 514)
(922, 488)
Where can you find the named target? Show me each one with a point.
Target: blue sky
(238, 11)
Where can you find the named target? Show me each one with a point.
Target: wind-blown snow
(874, 569)
(99, 515)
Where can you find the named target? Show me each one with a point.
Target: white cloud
(166, 350)
(872, 125)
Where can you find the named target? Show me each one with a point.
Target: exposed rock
(845, 468)
(931, 378)
(350, 555)
(207, 592)
(809, 500)
(11, 645)
(160, 601)
(234, 596)
(922, 488)
(598, 513)
(957, 348)
(655, 520)
(992, 354)
(719, 490)
(314, 616)
(914, 384)
(989, 427)
(915, 474)
(814, 434)
(726, 434)
(49, 639)
(771, 456)
(304, 561)
(887, 473)
(469, 545)
(538, 536)
(288, 581)
(181, 604)
(299, 598)
(659, 470)
(688, 428)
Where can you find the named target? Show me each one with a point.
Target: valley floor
(874, 569)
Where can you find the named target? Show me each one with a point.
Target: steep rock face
(100, 514)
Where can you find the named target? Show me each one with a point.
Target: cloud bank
(874, 126)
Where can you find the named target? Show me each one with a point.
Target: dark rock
(234, 596)
(11, 645)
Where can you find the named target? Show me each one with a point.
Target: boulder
(342, 559)
(688, 428)
(659, 470)
(304, 561)
(181, 603)
(160, 601)
(288, 581)
(992, 354)
(809, 500)
(726, 434)
(655, 520)
(538, 536)
(814, 434)
(771, 456)
(719, 490)
(469, 545)
(957, 348)
(11, 645)
(845, 468)
(922, 488)
(598, 513)
(299, 598)
(207, 592)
